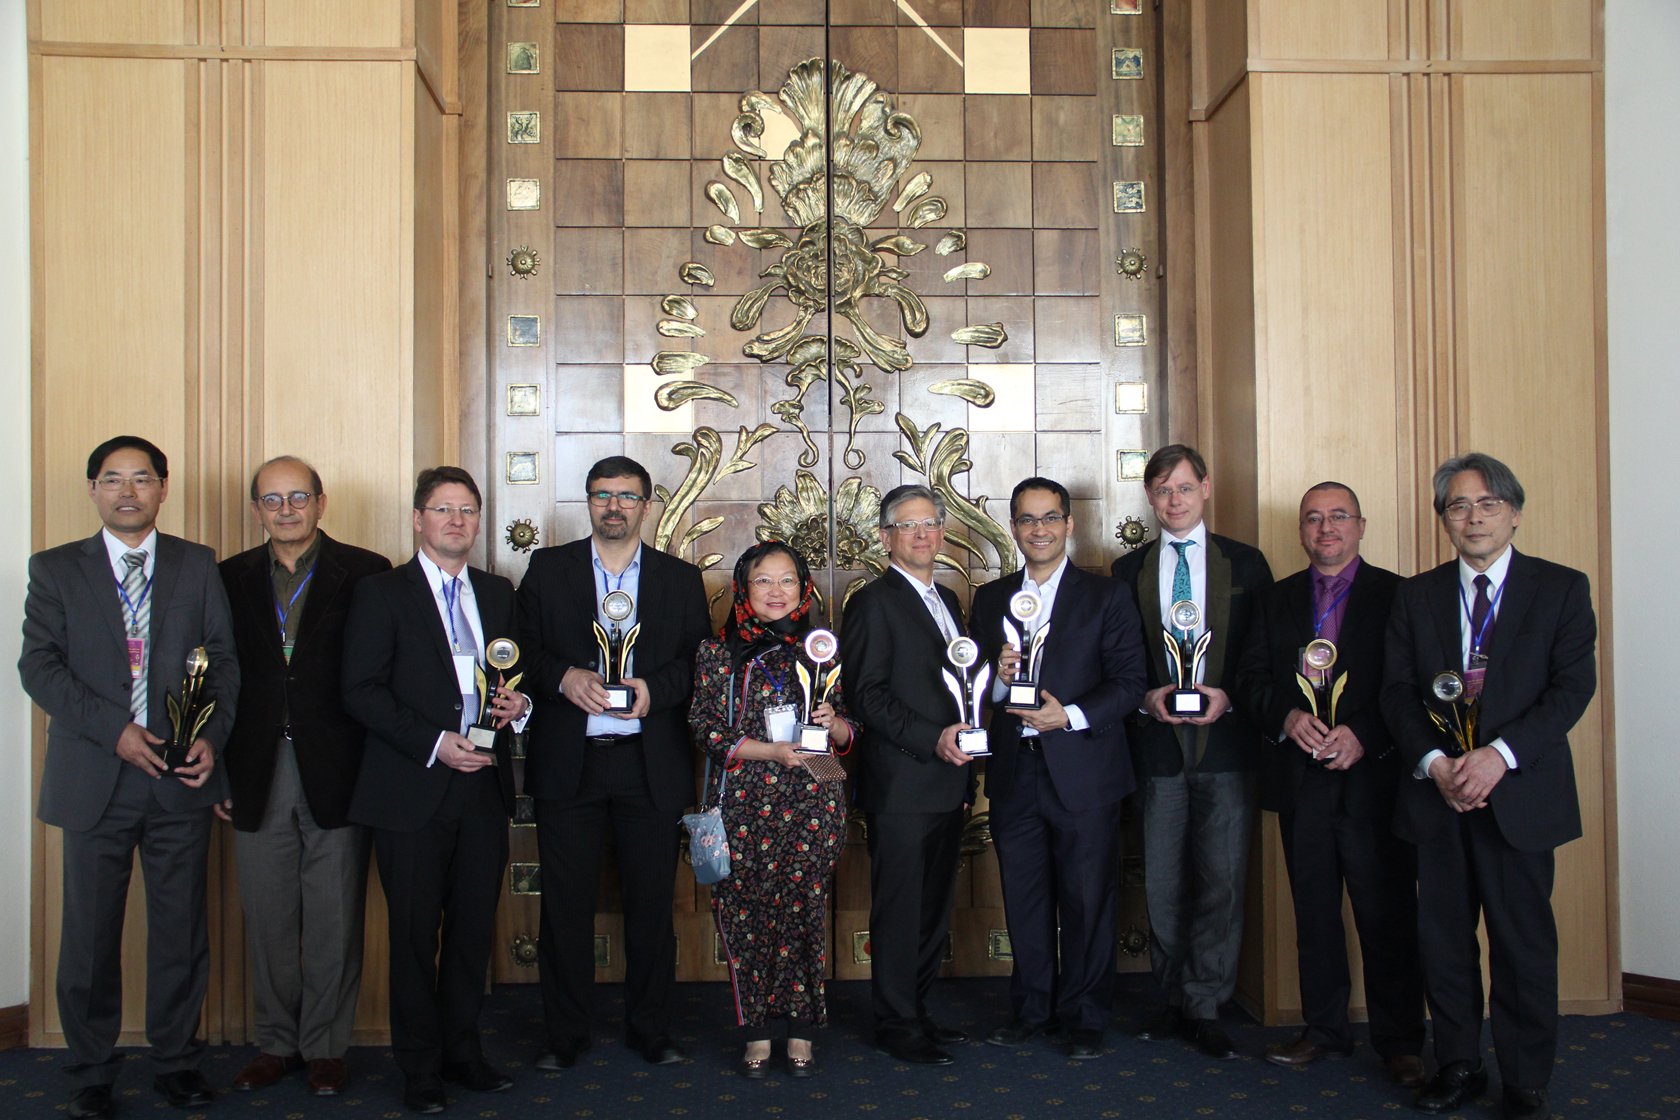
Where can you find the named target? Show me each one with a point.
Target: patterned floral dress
(785, 832)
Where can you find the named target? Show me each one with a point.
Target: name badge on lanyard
(136, 657)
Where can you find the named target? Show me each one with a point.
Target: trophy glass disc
(821, 645)
(1185, 615)
(1447, 686)
(1026, 605)
(963, 652)
(501, 653)
(1320, 654)
(197, 662)
(618, 605)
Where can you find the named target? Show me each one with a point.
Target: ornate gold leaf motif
(952, 242)
(737, 168)
(680, 306)
(706, 465)
(973, 270)
(989, 335)
(913, 190)
(927, 212)
(674, 394)
(695, 273)
(765, 239)
(723, 200)
(676, 328)
(799, 518)
(677, 361)
(973, 391)
(898, 245)
(941, 458)
(720, 235)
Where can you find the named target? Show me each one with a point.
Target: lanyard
(774, 678)
(1318, 622)
(1493, 605)
(451, 599)
(134, 607)
(285, 612)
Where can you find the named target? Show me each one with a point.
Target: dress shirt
(1047, 594)
(1196, 556)
(1496, 573)
(436, 578)
(942, 617)
(629, 582)
(116, 550)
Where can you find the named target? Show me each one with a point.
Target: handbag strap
(706, 781)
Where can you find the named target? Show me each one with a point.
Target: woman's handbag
(708, 847)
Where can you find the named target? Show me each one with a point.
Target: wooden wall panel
(1522, 29)
(335, 326)
(336, 23)
(128, 21)
(1219, 49)
(435, 250)
(1529, 394)
(1319, 29)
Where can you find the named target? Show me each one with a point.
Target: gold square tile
(1131, 329)
(997, 60)
(1013, 410)
(641, 414)
(656, 58)
(524, 330)
(1131, 397)
(1131, 464)
(523, 58)
(522, 468)
(1128, 130)
(524, 194)
(524, 400)
(524, 127)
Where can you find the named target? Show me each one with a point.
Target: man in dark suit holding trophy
(1070, 669)
(1194, 752)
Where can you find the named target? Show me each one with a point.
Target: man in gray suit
(108, 626)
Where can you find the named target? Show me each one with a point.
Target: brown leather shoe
(1406, 1070)
(265, 1069)
(327, 1076)
(1302, 1052)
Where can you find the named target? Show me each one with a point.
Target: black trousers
(1326, 850)
(1058, 864)
(571, 837)
(1470, 870)
(98, 864)
(912, 879)
(442, 883)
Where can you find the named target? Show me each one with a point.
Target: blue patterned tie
(1181, 575)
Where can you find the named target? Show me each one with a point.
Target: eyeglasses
(468, 512)
(1335, 517)
(931, 524)
(1049, 521)
(297, 499)
(624, 497)
(765, 583)
(1460, 510)
(138, 481)
(1162, 493)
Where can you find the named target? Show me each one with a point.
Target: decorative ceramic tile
(524, 194)
(524, 400)
(997, 60)
(1131, 329)
(522, 468)
(1131, 397)
(1128, 130)
(523, 58)
(526, 127)
(524, 330)
(1131, 464)
(1128, 197)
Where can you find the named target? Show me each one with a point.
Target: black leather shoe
(659, 1051)
(479, 1076)
(754, 1069)
(942, 1036)
(424, 1095)
(1164, 1024)
(1452, 1085)
(915, 1049)
(1524, 1102)
(91, 1102)
(1083, 1044)
(1210, 1039)
(185, 1088)
(563, 1056)
(1014, 1032)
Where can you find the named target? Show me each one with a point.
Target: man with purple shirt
(1331, 773)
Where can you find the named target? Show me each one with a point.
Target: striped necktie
(139, 602)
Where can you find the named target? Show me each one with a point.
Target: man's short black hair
(1167, 459)
(1038, 483)
(619, 466)
(433, 477)
(160, 461)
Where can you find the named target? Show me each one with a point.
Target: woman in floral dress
(785, 827)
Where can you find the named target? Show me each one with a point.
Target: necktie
(465, 642)
(1479, 615)
(938, 609)
(1329, 588)
(1181, 573)
(139, 625)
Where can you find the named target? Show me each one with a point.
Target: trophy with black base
(964, 654)
(615, 647)
(816, 754)
(502, 654)
(1024, 606)
(189, 714)
(1185, 656)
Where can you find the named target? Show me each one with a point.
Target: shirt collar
(595, 558)
(304, 562)
(1496, 572)
(436, 577)
(1051, 584)
(1321, 579)
(1198, 536)
(921, 587)
(115, 549)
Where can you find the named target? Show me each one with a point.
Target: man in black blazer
(1330, 772)
(1058, 773)
(108, 624)
(1197, 771)
(438, 807)
(1520, 632)
(292, 761)
(592, 772)
(913, 782)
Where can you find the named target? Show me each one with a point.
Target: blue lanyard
(285, 612)
(134, 607)
(451, 597)
(1318, 622)
(1493, 605)
(774, 679)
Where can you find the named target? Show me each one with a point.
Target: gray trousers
(303, 888)
(97, 866)
(1195, 858)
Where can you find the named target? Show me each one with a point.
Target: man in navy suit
(1058, 773)
(1520, 632)
(438, 807)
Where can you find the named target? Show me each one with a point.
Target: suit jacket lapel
(323, 588)
(1301, 607)
(1445, 596)
(102, 583)
(165, 574)
(913, 598)
(1514, 600)
(1149, 605)
(426, 604)
(258, 592)
(1218, 610)
(1069, 595)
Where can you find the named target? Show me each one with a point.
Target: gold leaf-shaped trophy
(189, 714)
(1448, 687)
(615, 648)
(502, 654)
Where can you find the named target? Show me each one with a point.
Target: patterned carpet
(1612, 1066)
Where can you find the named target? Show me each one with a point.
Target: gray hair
(898, 495)
(1498, 478)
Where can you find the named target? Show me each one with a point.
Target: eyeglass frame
(1028, 521)
(290, 498)
(451, 511)
(607, 497)
(112, 482)
(765, 583)
(930, 524)
(1335, 517)
(1488, 506)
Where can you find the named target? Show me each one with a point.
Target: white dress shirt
(935, 607)
(1196, 557)
(437, 579)
(1496, 573)
(1047, 595)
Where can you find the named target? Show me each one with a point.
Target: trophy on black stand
(502, 654)
(820, 647)
(187, 716)
(615, 650)
(1314, 680)
(1185, 656)
(1449, 688)
(1024, 606)
(964, 653)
